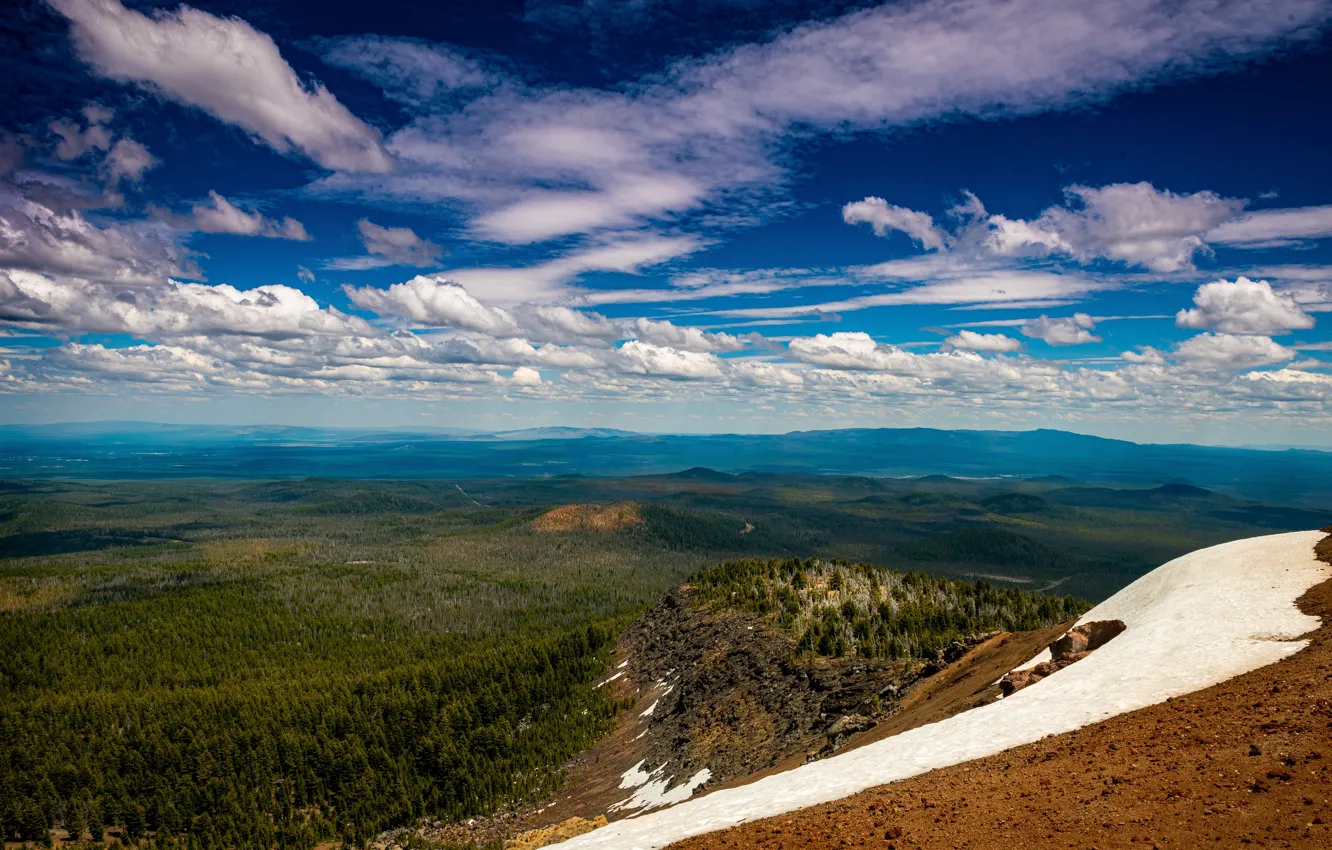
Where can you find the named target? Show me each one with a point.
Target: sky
(1109, 217)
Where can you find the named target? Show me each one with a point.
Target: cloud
(40, 238)
(757, 373)
(1074, 330)
(1266, 228)
(305, 275)
(529, 163)
(1229, 352)
(1243, 306)
(221, 216)
(412, 72)
(1137, 224)
(644, 358)
(1133, 223)
(993, 343)
(526, 376)
(68, 305)
(686, 338)
(398, 245)
(434, 303)
(76, 141)
(950, 281)
(886, 218)
(229, 70)
(550, 280)
(127, 160)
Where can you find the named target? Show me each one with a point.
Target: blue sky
(672, 215)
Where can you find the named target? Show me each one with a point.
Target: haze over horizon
(679, 216)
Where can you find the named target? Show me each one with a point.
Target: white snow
(611, 679)
(623, 664)
(1042, 656)
(650, 709)
(1198, 620)
(654, 791)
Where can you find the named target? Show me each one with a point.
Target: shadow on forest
(36, 543)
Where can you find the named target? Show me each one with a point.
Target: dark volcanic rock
(734, 699)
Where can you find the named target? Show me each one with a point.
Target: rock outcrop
(1073, 646)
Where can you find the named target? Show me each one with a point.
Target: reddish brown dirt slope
(1247, 763)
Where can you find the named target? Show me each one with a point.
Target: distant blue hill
(125, 450)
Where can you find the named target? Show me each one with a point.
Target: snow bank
(1198, 620)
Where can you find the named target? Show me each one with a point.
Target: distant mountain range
(125, 450)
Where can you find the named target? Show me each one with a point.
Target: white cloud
(686, 338)
(127, 160)
(411, 72)
(76, 141)
(526, 376)
(1073, 330)
(994, 343)
(1243, 306)
(228, 69)
(531, 162)
(550, 280)
(305, 274)
(1263, 228)
(434, 303)
(1230, 352)
(886, 218)
(643, 358)
(221, 216)
(398, 245)
(1134, 223)
(69, 305)
(757, 373)
(41, 238)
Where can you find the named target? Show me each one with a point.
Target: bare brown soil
(604, 518)
(1246, 763)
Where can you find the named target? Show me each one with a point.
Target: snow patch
(611, 679)
(650, 709)
(656, 791)
(1198, 620)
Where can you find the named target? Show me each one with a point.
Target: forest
(836, 608)
(261, 664)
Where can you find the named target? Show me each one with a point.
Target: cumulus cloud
(1230, 352)
(41, 238)
(228, 69)
(1073, 330)
(1243, 306)
(886, 218)
(389, 246)
(686, 338)
(644, 358)
(127, 160)
(436, 303)
(973, 341)
(221, 216)
(1134, 223)
(71, 305)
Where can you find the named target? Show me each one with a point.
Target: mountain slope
(1198, 620)
(1247, 762)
